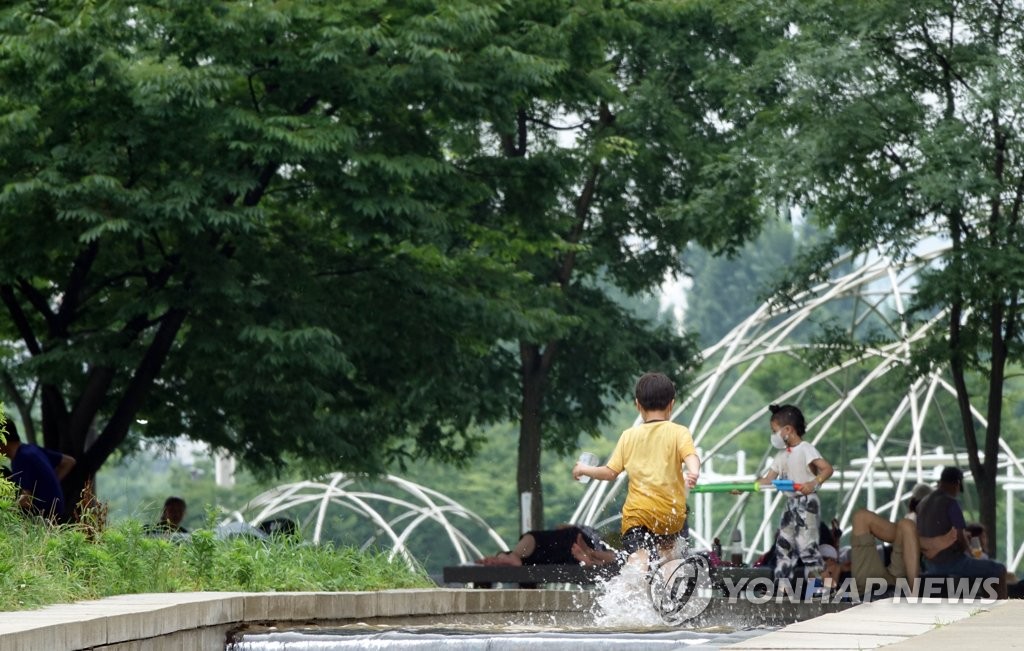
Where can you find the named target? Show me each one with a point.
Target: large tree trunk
(530, 441)
(986, 482)
(984, 473)
(536, 365)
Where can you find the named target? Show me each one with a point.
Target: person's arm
(956, 518)
(603, 473)
(768, 478)
(64, 466)
(932, 545)
(822, 471)
(692, 463)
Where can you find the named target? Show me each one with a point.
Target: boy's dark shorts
(636, 538)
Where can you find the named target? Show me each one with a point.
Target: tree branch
(116, 429)
(38, 301)
(20, 320)
(28, 428)
(75, 287)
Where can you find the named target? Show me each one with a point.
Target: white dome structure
(840, 401)
(397, 508)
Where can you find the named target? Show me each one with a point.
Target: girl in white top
(799, 461)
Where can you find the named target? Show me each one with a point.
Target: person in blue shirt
(940, 513)
(37, 472)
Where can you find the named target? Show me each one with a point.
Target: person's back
(653, 454)
(940, 528)
(650, 454)
(936, 515)
(37, 472)
(32, 470)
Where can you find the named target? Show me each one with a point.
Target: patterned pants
(798, 536)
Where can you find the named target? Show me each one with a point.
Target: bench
(531, 576)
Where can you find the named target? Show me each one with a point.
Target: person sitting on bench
(555, 547)
(940, 513)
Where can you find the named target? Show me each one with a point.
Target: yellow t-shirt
(652, 454)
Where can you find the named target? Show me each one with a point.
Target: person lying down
(566, 545)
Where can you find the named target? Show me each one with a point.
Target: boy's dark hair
(952, 476)
(174, 500)
(654, 391)
(279, 527)
(976, 529)
(788, 415)
(11, 431)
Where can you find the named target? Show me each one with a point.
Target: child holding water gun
(799, 462)
(653, 454)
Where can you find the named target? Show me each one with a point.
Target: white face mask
(777, 441)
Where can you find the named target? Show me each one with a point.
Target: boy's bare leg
(639, 559)
(526, 545)
(587, 555)
(865, 521)
(667, 552)
(906, 539)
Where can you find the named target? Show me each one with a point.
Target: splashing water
(623, 601)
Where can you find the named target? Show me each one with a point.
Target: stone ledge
(162, 619)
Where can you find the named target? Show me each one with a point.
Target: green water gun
(747, 487)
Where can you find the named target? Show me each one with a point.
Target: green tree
(243, 222)
(725, 290)
(348, 232)
(904, 125)
(632, 151)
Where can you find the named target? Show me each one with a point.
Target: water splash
(623, 601)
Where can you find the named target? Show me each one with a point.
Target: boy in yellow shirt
(653, 453)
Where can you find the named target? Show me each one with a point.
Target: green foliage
(340, 232)
(44, 565)
(252, 224)
(893, 137)
(632, 149)
(134, 487)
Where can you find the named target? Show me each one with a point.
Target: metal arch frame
(767, 332)
(425, 505)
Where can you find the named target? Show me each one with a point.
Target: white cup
(587, 459)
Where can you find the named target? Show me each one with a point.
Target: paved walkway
(202, 621)
(928, 625)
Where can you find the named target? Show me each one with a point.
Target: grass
(42, 564)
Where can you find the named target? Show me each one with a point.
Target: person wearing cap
(905, 560)
(940, 515)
